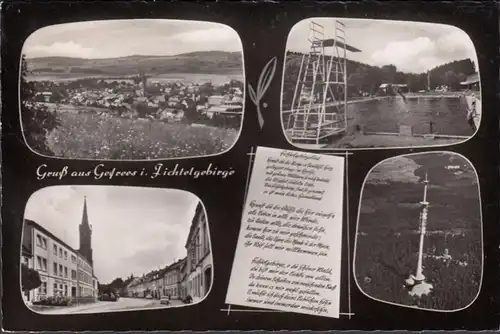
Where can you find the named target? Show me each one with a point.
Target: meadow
(89, 136)
(388, 232)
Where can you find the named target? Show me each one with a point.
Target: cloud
(62, 49)
(105, 39)
(211, 35)
(134, 229)
(423, 53)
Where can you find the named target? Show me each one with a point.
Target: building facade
(190, 276)
(172, 279)
(198, 281)
(63, 270)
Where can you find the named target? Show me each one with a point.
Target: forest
(364, 78)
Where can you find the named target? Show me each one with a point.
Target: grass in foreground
(87, 136)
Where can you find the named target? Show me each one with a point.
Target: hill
(367, 78)
(216, 62)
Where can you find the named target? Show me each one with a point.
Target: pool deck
(368, 141)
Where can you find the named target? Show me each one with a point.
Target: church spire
(86, 234)
(85, 218)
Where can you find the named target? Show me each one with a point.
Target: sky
(412, 47)
(452, 167)
(119, 38)
(135, 230)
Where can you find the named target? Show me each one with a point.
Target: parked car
(107, 297)
(165, 300)
(187, 300)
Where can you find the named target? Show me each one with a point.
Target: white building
(199, 257)
(63, 270)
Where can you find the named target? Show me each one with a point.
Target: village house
(199, 257)
(63, 270)
(172, 279)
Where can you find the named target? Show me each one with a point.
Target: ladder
(313, 62)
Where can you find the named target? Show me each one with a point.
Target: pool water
(448, 115)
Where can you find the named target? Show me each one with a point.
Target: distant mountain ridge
(219, 62)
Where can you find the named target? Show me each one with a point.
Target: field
(88, 136)
(388, 232)
(216, 79)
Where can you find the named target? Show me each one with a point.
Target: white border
(346, 202)
(126, 310)
(138, 160)
(376, 148)
(481, 224)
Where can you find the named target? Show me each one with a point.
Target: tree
(389, 73)
(452, 80)
(30, 278)
(37, 121)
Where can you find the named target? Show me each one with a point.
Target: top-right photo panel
(359, 84)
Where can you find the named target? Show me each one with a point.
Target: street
(100, 306)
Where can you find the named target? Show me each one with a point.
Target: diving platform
(319, 104)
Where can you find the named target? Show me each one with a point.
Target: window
(198, 248)
(44, 264)
(66, 290)
(55, 269)
(55, 288)
(60, 253)
(43, 287)
(73, 274)
(60, 270)
(205, 234)
(55, 250)
(41, 241)
(66, 272)
(73, 259)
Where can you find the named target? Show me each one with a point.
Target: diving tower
(319, 104)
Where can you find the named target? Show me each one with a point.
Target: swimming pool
(446, 115)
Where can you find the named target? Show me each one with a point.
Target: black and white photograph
(132, 89)
(364, 83)
(419, 234)
(93, 249)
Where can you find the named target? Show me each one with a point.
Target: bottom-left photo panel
(94, 249)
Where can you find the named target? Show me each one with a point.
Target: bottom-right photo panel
(419, 232)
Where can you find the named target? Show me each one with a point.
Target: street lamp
(417, 281)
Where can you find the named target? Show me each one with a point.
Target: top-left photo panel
(132, 89)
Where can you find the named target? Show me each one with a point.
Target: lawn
(388, 231)
(88, 136)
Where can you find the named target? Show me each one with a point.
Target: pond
(447, 114)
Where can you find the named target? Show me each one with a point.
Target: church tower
(86, 235)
